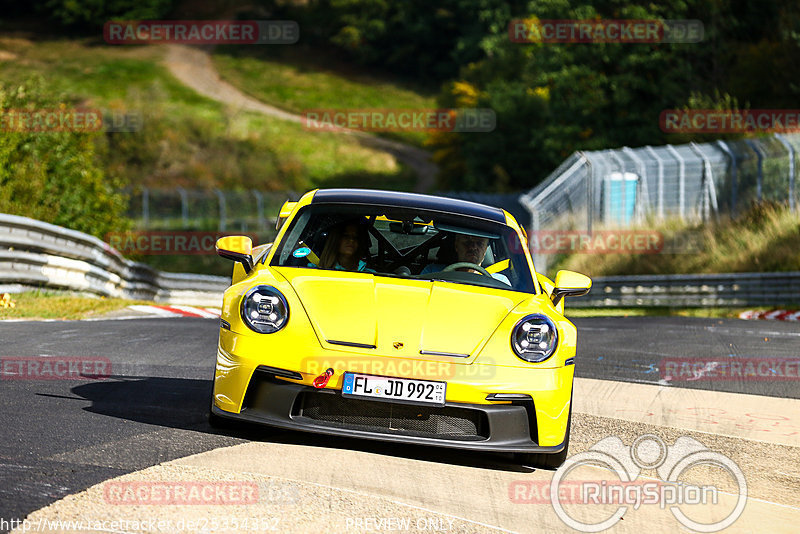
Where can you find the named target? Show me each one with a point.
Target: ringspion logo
(626, 490)
(597, 491)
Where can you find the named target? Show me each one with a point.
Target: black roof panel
(409, 200)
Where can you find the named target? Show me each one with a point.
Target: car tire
(220, 423)
(215, 421)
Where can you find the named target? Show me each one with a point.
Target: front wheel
(215, 421)
(219, 423)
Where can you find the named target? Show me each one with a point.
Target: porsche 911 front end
(413, 343)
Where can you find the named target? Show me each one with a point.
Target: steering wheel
(461, 264)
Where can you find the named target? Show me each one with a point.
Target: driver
(471, 249)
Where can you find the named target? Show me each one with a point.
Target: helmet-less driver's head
(470, 248)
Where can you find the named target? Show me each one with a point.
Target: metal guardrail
(701, 290)
(38, 254)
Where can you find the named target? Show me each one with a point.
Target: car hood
(399, 317)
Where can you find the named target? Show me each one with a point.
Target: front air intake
(390, 418)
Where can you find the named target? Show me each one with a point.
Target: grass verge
(63, 306)
(766, 238)
(298, 78)
(187, 140)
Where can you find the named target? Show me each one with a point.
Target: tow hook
(322, 380)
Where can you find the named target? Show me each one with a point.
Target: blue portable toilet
(620, 197)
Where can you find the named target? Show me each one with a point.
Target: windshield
(407, 243)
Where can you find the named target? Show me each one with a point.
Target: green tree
(553, 99)
(414, 38)
(55, 177)
(92, 14)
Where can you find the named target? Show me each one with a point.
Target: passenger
(470, 249)
(346, 248)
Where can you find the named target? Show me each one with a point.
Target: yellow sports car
(398, 317)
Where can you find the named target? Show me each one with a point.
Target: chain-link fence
(637, 186)
(211, 210)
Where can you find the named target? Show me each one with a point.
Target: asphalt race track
(62, 437)
(631, 349)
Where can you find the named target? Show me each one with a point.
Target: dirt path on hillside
(194, 68)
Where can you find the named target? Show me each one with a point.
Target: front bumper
(508, 427)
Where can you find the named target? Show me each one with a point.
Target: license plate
(406, 390)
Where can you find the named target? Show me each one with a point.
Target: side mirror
(238, 248)
(570, 284)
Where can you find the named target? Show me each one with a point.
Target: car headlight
(534, 338)
(265, 310)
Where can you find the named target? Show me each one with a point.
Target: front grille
(389, 418)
